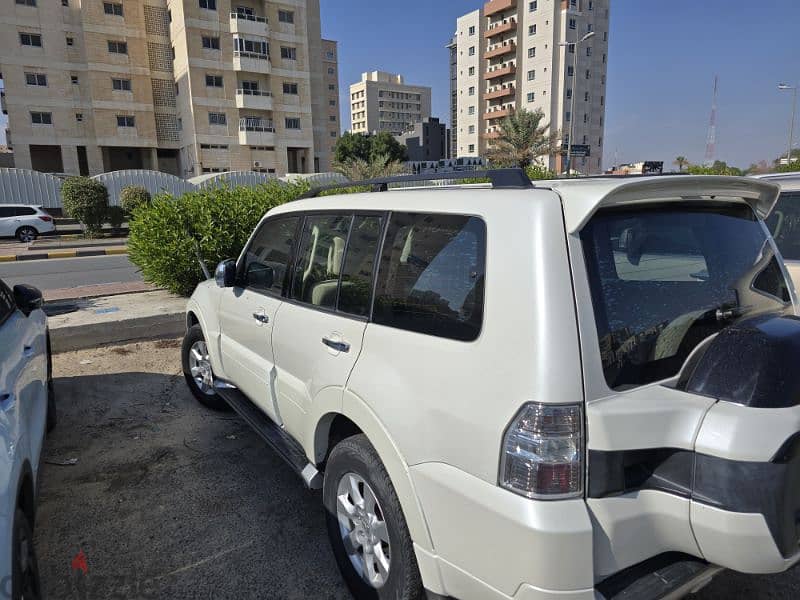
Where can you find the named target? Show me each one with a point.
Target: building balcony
(500, 71)
(500, 92)
(255, 131)
(498, 112)
(253, 24)
(251, 62)
(508, 47)
(490, 135)
(501, 27)
(253, 99)
(496, 6)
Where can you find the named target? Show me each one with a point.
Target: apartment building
(515, 54)
(182, 86)
(384, 102)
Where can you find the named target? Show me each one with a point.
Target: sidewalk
(90, 322)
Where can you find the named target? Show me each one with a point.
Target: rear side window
(7, 304)
(784, 224)
(264, 267)
(431, 275)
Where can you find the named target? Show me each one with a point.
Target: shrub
(539, 172)
(165, 234)
(132, 197)
(115, 217)
(85, 200)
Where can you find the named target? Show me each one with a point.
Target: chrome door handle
(337, 345)
(261, 317)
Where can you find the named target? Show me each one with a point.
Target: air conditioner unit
(256, 164)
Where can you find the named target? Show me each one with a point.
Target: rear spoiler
(582, 198)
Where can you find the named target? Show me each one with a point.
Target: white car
(578, 390)
(24, 222)
(27, 410)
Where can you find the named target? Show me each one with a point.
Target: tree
(720, 167)
(385, 144)
(352, 146)
(681, 162)
(523, 139)
(358, 169)
(85, 200)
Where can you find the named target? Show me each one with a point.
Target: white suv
(24, 222)
(583, 389)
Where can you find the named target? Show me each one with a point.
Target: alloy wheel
(200, 368)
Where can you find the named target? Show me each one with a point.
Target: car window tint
(7, 304)
(355, 292)
(266, 261)
(784, 224)
(319, 259)
(7, 211)
(431, 275)
(25, 211)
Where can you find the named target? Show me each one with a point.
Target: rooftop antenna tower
(711, 140)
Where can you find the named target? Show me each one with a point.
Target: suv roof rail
(500, 179)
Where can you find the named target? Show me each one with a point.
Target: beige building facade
(182, 86)
(384, 102)
(515, 54)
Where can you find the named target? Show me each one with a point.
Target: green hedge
(163, 233)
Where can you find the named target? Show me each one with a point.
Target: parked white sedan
(26, 411)
(24, 222)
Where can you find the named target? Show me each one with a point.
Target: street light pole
(784, 86)
(577, 44)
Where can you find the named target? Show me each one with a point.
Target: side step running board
(286, 447)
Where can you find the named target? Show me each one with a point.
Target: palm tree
(681, 162)
(358, 169)
(523, 139)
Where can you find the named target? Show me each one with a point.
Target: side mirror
(27, 298)
(225, 275)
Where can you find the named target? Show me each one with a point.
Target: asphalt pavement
(70, 272)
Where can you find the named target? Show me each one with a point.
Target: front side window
(319, 260)
(784, 224)
(265, 263)
(431, 275)
(666, 277)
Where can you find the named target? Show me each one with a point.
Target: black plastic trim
(620, 472)
(653, 578)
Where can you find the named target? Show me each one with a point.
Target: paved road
(70, 272)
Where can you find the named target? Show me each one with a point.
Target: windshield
(784, 224)
(665, 277)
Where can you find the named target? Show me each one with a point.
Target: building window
(330, 55)
(286, 16)
(214, 81)
(585, 118)
(332, 118)
(585, 96)
(288, 52)
(42, 118)
(531, 74)
(568, 116)
(216, 118)
(121, 85)
(471, 71)
(472, 90)
(572, 24)
(588, 50)
(73, 79)
(64, 2)
(117, 47)
(333, 134)
(588, 74)
(292, 123)
(605, 36)
(471, 110)
(472, 128)
(331, 87)
(70, 41)
(177, 89)
(604, 59)
(571, 48)
(79, 117)
(472, 147)
(532, 29)
(472, 30)
(112, 8)
(39, 79)
(569, 93)
(531, 96)
(331, 102)
(208, 4)
(589, 28)
(210, 43)
(602, 100)
(30, 39)
(289, 88)
(532, 6)
(532, 52)
(590, 5)
(180, 124)
(331, 71)
(251, 46)
(126, 121)
(27, 2)
(472, 50)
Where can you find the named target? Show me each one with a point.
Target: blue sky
(663, 56)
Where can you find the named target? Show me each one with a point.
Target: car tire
(24, 567)
(52, 418)
(27, 234)
(380, 532)
(193, 342)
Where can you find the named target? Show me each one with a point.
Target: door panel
(248, 312)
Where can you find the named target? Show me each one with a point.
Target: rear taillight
(45, 218)
(542, 454)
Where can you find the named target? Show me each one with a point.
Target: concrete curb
(91, 335)
(62, 254)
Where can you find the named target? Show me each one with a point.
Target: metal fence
(154, 182)
(22, 186)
